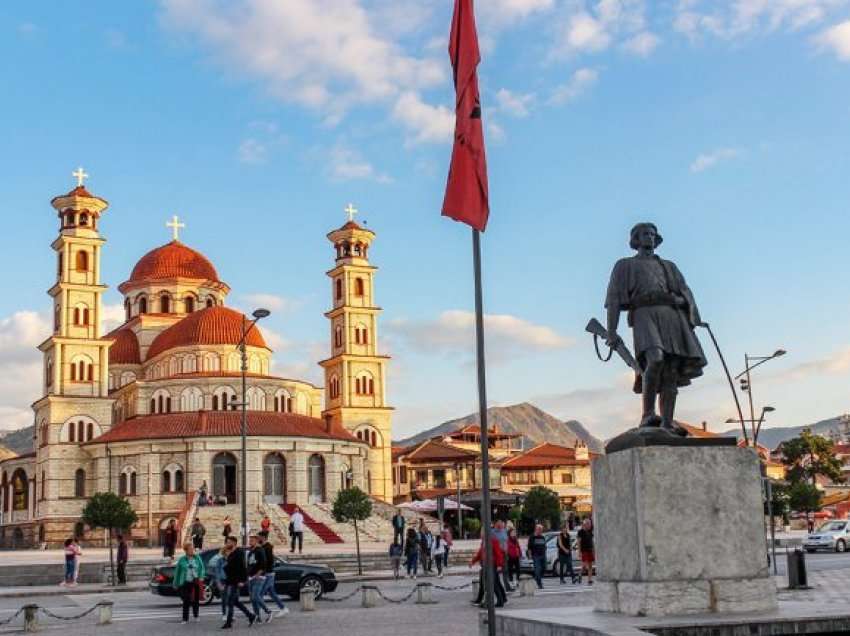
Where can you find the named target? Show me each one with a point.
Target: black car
(290, 579)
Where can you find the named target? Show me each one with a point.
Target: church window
(43, 489)
(59, 265)
(79, 483)
(49, 379)
(373, 439)
(89, 432)
(256, 399)
(189, 304)
(69, 219)
(339, 289)
(82, 261)
(127, 481)
(72, 432)
(338, 336)
(358, 287)
(191, 399)
(166, 481)
(254, 364)
(73, 372)
(153, 405)
(81, 372)
(20, 490)
(210, 301)
(143, 305)
(57, 318)
(190, 364)
(215, 403)
(334, 387)
(127, 309)
(90, 374)
(165, 304)
(178, 480)
(84, 219)
(77, 315)
(45, 433)
(81, 431)
(86, 316)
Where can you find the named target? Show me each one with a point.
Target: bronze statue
(663, 315)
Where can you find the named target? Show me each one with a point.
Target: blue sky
(726, 123)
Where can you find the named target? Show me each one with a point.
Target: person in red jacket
(498, 562)
(514, 555)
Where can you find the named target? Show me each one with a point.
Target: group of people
(418, 546)
(231, 570)
(73, 552)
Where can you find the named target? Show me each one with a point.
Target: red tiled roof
(434, 451)
(351, 225)
(841, 449)
(80, 191)
(397, 451)
(221, 424)
(474, 429)
(696, 431)
(543, 456)
(173, 260)
(125, 348)
(213, 325)
(433, 493)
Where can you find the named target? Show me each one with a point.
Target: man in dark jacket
(537, 552)
(123, 557)
(398, 526)
(269, 585)
(257, 575)
(235, 576)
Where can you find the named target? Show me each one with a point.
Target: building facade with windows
(151, 410)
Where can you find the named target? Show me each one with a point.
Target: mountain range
(18, 441)
(532, 423)
(773, 437)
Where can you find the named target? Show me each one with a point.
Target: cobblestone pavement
(826, 586)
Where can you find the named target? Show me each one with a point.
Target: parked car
(290, 579)
(833, 535)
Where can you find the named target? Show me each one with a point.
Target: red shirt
(498, 554)
(514, 549)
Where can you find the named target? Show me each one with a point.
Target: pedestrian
(537, 553)
(398, 522)
(425, 542)
(438, 551)
(202, 495)
(585, 547)
(189, 576)
(565, 554)
(411, 552)
(265, 526)
(70, 558)
(123, 557)
(501, 533)
(447, 541)
(78, 555)
(270, 587)
(228, 529)
(514, 553)
(395, 558)
(169, 540)
(257, 576)
(236, 576)
(218, 577)
(197, 530)
(498, 562)
(296, 530)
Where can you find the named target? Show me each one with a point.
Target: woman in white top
(438, 550)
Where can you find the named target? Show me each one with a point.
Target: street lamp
(750, 363)
(258, 314)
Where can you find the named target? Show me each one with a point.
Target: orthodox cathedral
(152, 410)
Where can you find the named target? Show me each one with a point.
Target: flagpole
(489, 570)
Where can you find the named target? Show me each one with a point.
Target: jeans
(539, 567)
(513, 568)
(412, 563)
(222, 592)
(398, 535)
(565, 565)
(438, 561)
(269, 588)
(69, 570)
(231, 593)
(498, 590)
(255, 588)
(190, 593)
(122, 572)
(446, 557)
(299, 537)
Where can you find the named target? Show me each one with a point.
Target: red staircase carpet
(319, 529)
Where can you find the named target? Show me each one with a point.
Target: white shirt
(297, 520)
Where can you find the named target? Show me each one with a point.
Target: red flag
(466, 191)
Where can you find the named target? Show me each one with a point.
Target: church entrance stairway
(317, 527)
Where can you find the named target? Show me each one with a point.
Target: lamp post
(258, 314)
(750, 363)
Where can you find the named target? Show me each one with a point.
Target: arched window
(338, 336)
(127, 310)
(316, 479)
(359, 287)
(334, 387)
(364, 385)
(211, 362)
(161, 401)
(338, 289)
(189, 304)
(190, 364)
(164, 304)
(127, 481)
(69, 219)
(210, 301)
(72, 432)
(79, 483)
(89, 432)
(82, 261)
(223, 398)
(143, 305)
(57, 318)
(191, 399)
(84, 219)
(81, 431)
(283, 401)
(76, 315)
(20, 490)
(256, 399)
(166, 481)
(45, 433)
(361, 334)
(178, 480)
(43, 489)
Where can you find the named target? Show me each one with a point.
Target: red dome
(125, 348)
(173, 260)
(210, 326)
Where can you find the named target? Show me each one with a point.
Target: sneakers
(184, 622)
(224, 618)
(197, 619)
(227, 626)
(251, 620)
(283, 611)
(269, 617)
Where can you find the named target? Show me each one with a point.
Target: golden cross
(175, 226)
(81, 176)
(350, 210)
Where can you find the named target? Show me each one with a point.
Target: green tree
(781, 506)
(352, 505)
(808, 456)
(108, 510)
(472, 527)
(542, 504)
(804, 497)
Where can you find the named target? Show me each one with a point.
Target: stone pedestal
(680, 530)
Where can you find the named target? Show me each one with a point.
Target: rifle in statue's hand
(595, 327)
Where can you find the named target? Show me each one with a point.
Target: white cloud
(21, 365)
(583, 32)
(642, 44)
(346, 164)
(453, 332)
(426, 123)
(836, 363)
(272, 302)
(580, 82)
(325, 55)
(495, 132)
(252, 151)
(837, 39)
(709, 160)
(504, 12)
(113, 316)
(516, 104)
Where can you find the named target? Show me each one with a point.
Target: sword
(595, 327)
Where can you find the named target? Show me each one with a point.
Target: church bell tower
(355, 374)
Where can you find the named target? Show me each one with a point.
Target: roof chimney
(704, 425)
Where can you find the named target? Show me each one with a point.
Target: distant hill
(773, 437)
(18, 441)
(533, 424)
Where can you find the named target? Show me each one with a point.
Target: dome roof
(173, 260)
(125, 348)
(210, 326)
